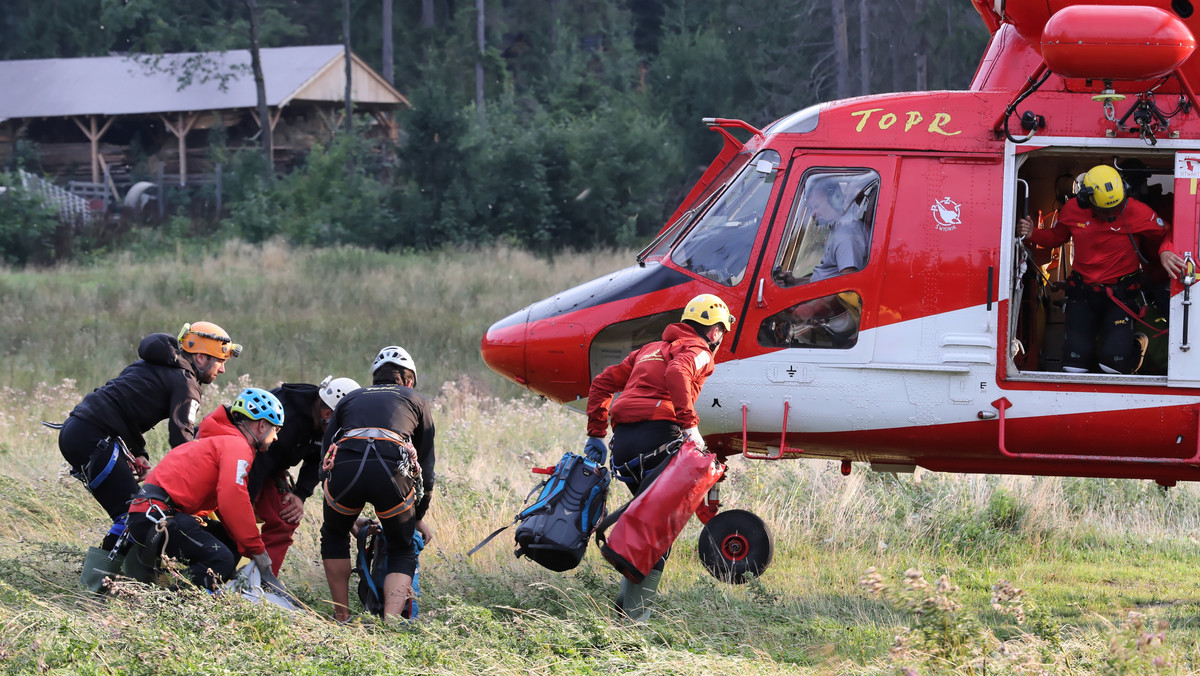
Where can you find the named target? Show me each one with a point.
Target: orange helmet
(208, 338)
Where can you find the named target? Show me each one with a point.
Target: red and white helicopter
(942, 350)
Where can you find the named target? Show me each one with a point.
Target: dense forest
(546, 123)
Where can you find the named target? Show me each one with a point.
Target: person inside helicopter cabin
(1110, 230)
(658, 385)
(102, 439)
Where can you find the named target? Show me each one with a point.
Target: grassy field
(873, 573)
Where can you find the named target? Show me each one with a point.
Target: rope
(161, 529)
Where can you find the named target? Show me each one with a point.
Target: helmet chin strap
(201, 371)
(258, 441)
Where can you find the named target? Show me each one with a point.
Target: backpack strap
(609, 521)
(365, 568)
(494, 534)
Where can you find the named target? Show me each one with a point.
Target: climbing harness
(634, 471)
(406, 466)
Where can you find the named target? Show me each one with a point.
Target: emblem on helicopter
(946, 212)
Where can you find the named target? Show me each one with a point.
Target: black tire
(734, 544)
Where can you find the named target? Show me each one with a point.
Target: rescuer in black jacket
(378, 449)
(279, 503)
(164, 384)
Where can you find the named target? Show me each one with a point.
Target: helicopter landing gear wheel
(734, 544)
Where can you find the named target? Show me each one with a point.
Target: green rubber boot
(134, 567)
(625, 586)
(636, 599)
(98, 565)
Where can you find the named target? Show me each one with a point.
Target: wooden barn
(111, 121)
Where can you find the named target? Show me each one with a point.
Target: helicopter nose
(503, 347)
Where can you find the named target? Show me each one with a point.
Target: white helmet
(333, 389)
(394, 354)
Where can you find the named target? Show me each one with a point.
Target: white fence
(71, 207)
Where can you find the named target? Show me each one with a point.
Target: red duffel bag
(650, 523)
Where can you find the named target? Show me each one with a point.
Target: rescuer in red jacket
(1104, 293)
(659, 383)
(206, 474)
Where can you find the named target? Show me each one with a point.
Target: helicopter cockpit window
(718, 246)
(828, 322)
(662, 244)
(829, 230)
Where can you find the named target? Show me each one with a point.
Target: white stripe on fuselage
(935, 370)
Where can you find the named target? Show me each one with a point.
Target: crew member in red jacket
(659, 383)
(206, 474)
(1110, 230)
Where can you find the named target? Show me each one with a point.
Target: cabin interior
(1046, 179)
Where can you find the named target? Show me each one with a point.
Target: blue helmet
(258, 404)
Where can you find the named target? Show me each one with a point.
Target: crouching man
(278, 502)
(209, 473)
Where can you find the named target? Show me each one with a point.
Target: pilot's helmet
(830, 201)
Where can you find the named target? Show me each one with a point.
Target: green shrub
(27, 224)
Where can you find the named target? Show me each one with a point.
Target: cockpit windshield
(718, 245)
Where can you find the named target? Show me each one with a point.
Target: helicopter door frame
(1183, 365)
(1183, 346)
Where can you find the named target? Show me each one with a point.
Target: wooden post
(94, 136)
(385, 120)
(108, 181)
(180, 130)
(272, 120)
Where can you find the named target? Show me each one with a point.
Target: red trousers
(276, 533)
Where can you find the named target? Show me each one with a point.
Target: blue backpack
(554, 529)
(372, 568)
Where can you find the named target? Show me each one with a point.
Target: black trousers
(210, 560)
(630, 440)
(89, 451)
(392, 495)
(1098, 331)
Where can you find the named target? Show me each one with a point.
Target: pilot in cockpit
(844, 249)
(848, 240)
(846, 237)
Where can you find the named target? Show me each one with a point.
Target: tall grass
(300, 313)
(1085, 552)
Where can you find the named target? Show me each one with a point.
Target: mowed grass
(1087, 553)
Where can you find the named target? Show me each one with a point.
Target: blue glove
(596, 451)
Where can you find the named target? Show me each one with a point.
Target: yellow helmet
(1103, 187)
(208, 338)
(708, 309)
